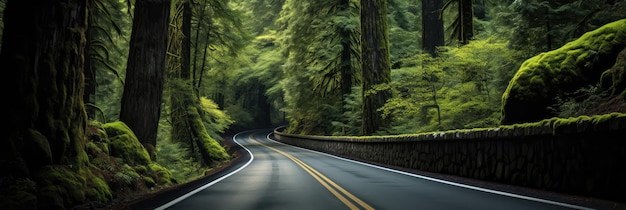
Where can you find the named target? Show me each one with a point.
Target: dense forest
(120, 95)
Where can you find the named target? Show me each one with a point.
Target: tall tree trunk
(196, 48)
(205, 50)
(42, 57)
(143, 90)
(43, 49)
(376, 67)
(432, 26)
(192, 98)
(185, 73)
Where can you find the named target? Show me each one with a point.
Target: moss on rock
(124, 144)
(123, 162)
(161, 174)
(543, 78)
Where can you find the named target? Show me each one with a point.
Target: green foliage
(580, 102)
(265, 13)
(110, 35)
(172, 156)
(216, 120)
(404, 30)
(291, 63)
(315, 71)
(459, 89)
(542, 25)
(349, 122)
(253, 82)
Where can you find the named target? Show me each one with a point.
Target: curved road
(280, 176)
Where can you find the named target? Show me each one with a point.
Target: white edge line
(171, 203)
(443, 181)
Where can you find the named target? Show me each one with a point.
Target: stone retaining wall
(583, 156)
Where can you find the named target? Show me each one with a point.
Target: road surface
(280, 176)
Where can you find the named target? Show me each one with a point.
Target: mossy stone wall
(581, 156)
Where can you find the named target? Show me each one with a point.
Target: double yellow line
(331, 186)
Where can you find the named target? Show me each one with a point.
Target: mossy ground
(117, 167)
(123, 162)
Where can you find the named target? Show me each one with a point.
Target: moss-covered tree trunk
(186, 112)
(178, 77)
(143, 90)
(181, 94)
(375, 67)
(42, 56)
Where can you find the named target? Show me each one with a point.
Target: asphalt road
(280, 176)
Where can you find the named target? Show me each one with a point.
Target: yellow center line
(325, 181)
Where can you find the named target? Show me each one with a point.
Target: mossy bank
(595, 59)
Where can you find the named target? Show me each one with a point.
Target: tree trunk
(196, 49)
(185, 73)
(376, 67)
(43, 51)
(143, 90)
(432, 26)
(205, 51)
(43, 47)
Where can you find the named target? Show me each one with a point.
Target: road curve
(280, 176)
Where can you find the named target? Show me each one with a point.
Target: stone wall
(583, 156)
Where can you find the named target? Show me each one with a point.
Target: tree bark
(186, 46)
(143, 90)
(43, 47)
(376, 67)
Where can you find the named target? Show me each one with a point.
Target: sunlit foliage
(459, 89)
